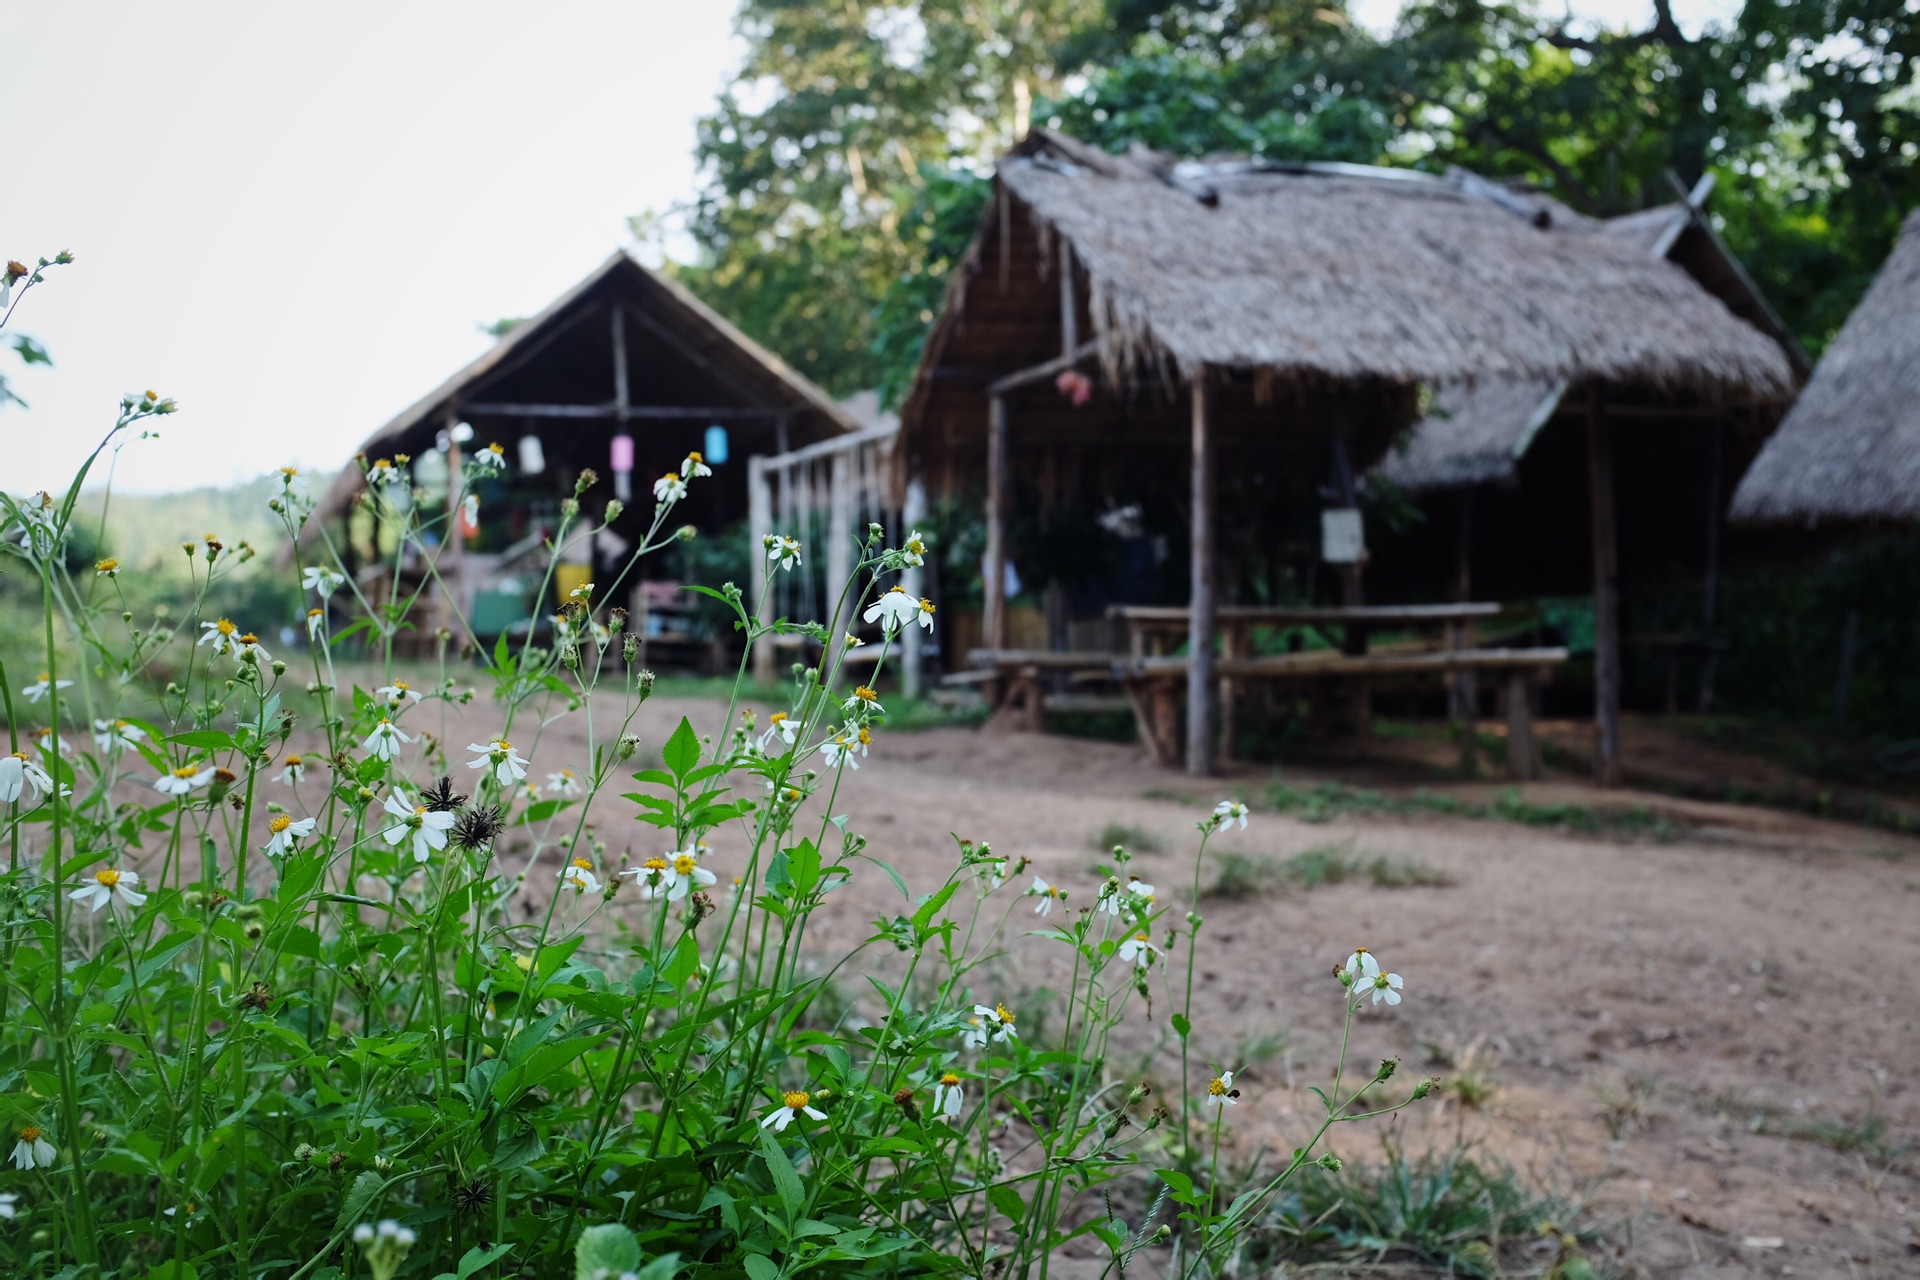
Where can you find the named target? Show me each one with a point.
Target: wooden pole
(1464, 685)
(759, 525)
(1606, 597)
(1710, 595)
(915, 581)
(839, 546)
(1069, 304)
(1200, 604)
(993, 627)
(622, 401)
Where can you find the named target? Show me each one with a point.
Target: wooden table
(1154, 630)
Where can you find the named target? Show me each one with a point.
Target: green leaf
(1180, 1186)
(785, 1181)
(760, 1267)
(476, 1258)
(360, 1198)
(1007, 1201)
(207, 739)
(892, 875)
(685, 963)
(931, 907)
(682, 752)
(1181, 1026)
(605, 1250)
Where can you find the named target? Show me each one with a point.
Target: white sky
(293, 218)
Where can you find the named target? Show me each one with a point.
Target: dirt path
(1728, 989)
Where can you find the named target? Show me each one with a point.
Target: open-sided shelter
(1548, 486)
(1247, 323)
(1849, 449)
(626, 374)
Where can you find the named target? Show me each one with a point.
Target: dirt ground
(1730, 989)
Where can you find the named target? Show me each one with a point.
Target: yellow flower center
(897, 591)
(567, 774)
(796, 1099)
(583, 864)
(420, 809)
(525, 962)
(1139, 937)
(950, 1079)
(865, 694)
(45, 678)
(294, 761)
(314, 613)
(655, 864)
(1216, 1087)
(186, 771)
(289, 472)
(496, 450)
(249, 638)
(501, 746)
(684, 864)
(106, 566)
(107, 878)
(18, 755)
(1000, 1012)
(696, 458)
(916, 547)
(865, 737)
(926, 605)
(280, 823)
(401, 686)
(777, 717)
(224, 627)
(672, 477)
(30, 1133)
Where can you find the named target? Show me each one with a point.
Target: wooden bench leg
(1165, 702)
(1523, 752)
(1030, 695)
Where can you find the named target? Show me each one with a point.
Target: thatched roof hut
(1286, 312)
(1849, 449)
(625, 373)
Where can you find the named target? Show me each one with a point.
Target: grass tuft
(1131, 838)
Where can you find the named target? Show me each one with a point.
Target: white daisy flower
(382, 472)
(497, 754)
(49, 744)
(285, 831)
(695, 466)
(782, 726)
(997, 1020)
(793, 1105)
(974, 1034)
(41, 687)
(1048, 895)
(397, 693)
(9, 1205)
(578, 874)
(1140, 889)
(1227, 812)
(106, 883)
(184, 779)
(914, 550)
(565, 782)
(490, 461)
(108, 568)
(221, 634)
(669, 488)
(782, 552)
(1385, 987)
(687, 875)
(470, 508)
(425, 828)
(323, 580)
(838, 750)
(22, 776)
(316, 618)
(112, 735)
(894, 610)
(654, 876)
(33, 1150)
(248, 646)
(296, 768)
(384, 742)
(1220, 1091)
(1108, 903)
(864, 701)
(948, 1097)
(1138, 951)
(1361, 966)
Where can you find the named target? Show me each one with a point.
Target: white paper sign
(1343, 540)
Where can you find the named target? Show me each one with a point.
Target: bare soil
(1731, 988)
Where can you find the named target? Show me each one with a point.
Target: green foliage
(1330, 800)
(1133, 839)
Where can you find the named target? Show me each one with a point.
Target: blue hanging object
(715, 451)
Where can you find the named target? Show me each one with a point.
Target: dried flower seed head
(441, 797)
(477, 828)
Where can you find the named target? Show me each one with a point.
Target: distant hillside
(144, 531)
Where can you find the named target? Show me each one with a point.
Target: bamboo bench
(1155, 686)
(1017, 695)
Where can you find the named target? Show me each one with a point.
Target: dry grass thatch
(1850, 448)
(1348, 272)
(1476, 434)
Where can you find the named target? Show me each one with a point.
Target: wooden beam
(611, 409)
(1044, 370)
(1606, 596)
(829, 447)
(994, 620)
(1200, 601)
(759, 525)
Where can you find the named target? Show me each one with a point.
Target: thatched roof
(1349, 272)
(1478, 432)
(680, 351)
(1849, 449)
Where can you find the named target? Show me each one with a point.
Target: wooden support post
(1523, 752)
(1606, 597)
(1710, 595)
(1200, 604)
(912, 514)
(839, 550)
(994, 624)
(1463, 686)
(759, 525)
(622, 401)
(1069, 304)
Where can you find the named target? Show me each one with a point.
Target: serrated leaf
(682, 752)
(931, 907)
(606, 1250)
(785, 1180)
(360, 1197)
(1007, 1201)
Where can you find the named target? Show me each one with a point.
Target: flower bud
(569, 508)
(616, 620)
(614, 508)
(630, 648)
(686, 533)
(1425, 1087)
(643, 684)
(1330, 1162)
(629, 743)
(1387, 1068)
(587, 479)
(279, 667)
